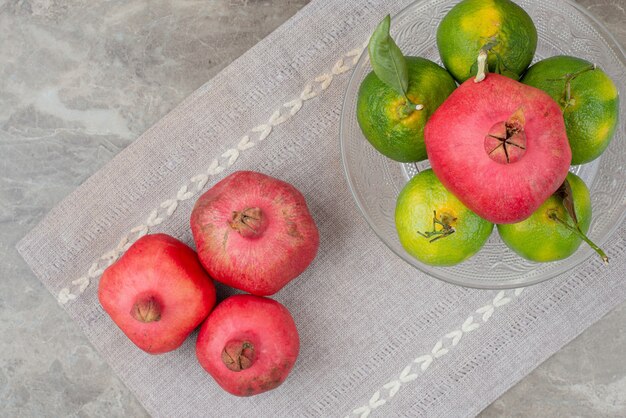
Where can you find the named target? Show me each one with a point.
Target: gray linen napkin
(377, 336)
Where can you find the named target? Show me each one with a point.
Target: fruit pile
(253, 233)
(500, 144)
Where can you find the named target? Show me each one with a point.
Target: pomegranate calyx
(249, 223)
(506, 140)
(146, 310)
(238, 355)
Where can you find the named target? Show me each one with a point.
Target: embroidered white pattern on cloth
(197, 182)
(441, 348)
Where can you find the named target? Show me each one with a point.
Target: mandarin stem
(481, 73)
(582, 236)
(444, 232)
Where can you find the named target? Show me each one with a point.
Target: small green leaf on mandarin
(386, 58)
(565, 194)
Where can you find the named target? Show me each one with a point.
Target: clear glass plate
(375, 181)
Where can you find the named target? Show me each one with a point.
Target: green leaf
(565, 194)
(501, 67)
(473, 69)
(386, 58)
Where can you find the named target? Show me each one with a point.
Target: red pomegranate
(249, 344)
(157, 293)
(254, 232)
(499, 146)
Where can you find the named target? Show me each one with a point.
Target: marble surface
(79, 80)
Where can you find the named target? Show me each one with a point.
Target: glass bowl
(375, 181)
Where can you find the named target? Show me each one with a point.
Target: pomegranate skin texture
(254, 232)
(157, 293)
(248, 344)
(499, 146)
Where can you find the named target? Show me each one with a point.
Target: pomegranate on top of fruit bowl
(499, 146)
(376, 181)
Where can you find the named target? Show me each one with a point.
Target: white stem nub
(419, 107)
(482, 66)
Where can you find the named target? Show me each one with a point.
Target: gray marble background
(79, 80)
